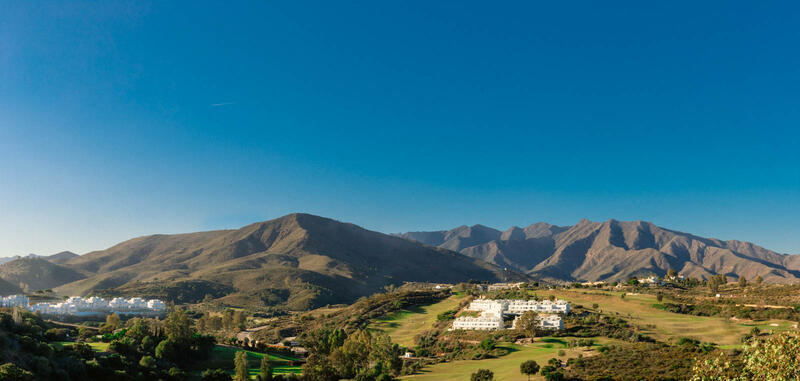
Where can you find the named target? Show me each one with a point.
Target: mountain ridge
(615, 250)
(298, 260)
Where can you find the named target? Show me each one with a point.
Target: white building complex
(78, 306)
(486, 321)
(14, 301)
(493, 310)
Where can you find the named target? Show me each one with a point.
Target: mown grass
(506, 367)
(403, 325)
(642, 310)
(98, 347)
(222, 358)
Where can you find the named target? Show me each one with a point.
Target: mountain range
(302, 261)
(612, 250)
(298, 261)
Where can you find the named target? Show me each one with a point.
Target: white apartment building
(486, 321)
(518, 306)
(14, 301)
(493, 310)
(79, 306)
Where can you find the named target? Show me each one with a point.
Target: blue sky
(119, 119)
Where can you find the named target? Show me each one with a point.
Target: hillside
(299, 261)
(613, 250)
(8, 288)
(36, 273)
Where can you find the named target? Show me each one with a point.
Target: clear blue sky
(119, 119)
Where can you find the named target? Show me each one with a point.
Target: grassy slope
(505, 368)
(638, 308)
(404, 325)
(669, 326)
(98, 347)
(222, 358)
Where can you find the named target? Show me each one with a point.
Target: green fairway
(402, 326)
(506, 368)
(222, 358)
(669, 326)
(98, 347)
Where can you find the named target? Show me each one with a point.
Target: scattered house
(652, 279)
(493, 310)
(408, 354)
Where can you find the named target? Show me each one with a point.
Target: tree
(529, 368)
(112, 321)
(659, 296)
(240, 364)
(633, 281)
(266, 370)
(178, 326)
(147, 362)
(482, 375)
(215, 375)
(671, 273)
(11, 372)
(759, 279)
(742, 282)
(319, 368)
(487, 344)
(528, 323)
(775, 358)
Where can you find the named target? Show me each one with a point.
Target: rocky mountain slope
(299, 261)
(612, 250)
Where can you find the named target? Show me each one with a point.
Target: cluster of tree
(361, 355)
(775, 357)
(729, 308)
(716, 281)
(142, 349)
(230, 320)
(593, 324)
(356, 316)
(642, 361)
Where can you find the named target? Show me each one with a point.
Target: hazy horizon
(120, 119)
